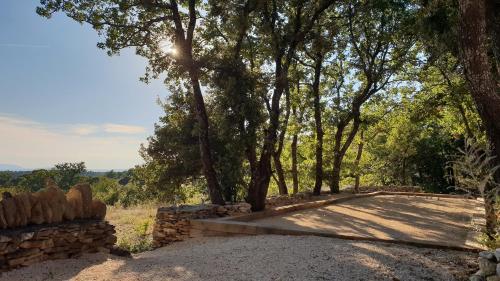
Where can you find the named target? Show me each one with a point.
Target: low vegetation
(134, 226)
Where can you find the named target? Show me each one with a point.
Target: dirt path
(266, 257)
(442, 220)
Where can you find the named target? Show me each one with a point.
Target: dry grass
(134, 226)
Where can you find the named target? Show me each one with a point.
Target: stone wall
(28, 245)
(173, 223)
(49, 205)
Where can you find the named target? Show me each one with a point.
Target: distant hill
(10, 167)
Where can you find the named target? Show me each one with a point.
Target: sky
(64, 100)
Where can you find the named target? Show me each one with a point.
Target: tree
(479, 47)
(68, 174)
(378, 42)
(284, 27)
(148, 26)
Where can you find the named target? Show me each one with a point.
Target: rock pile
(49, 205)
(172, 223)
(22, 247)
(489, 266)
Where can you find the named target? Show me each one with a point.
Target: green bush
(138, 240)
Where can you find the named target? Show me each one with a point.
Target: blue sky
(63, 99)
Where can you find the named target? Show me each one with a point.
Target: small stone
(487, 267)
(478, 276)
(27, 235)
(4, 239)
(103, 250)
(487, 255)
(497, 254)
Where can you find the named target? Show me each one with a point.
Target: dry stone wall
(49, 205)
(28, 245)
(49, 224)
(173, 223)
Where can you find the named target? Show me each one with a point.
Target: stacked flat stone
(389, 188)
(172, 224)
(49, 205)
(283, 200)
(22, 247)
(489, 266)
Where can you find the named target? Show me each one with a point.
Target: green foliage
(490, 243)
(107, 190)
(68, 174)
(391, 64)
(473, 169)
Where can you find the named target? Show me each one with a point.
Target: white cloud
(32, 144)
(123, 129)
(84, 129)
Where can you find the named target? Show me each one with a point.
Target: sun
(168, 48)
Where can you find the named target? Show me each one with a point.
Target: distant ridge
(10, 167)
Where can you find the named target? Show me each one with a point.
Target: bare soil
(410, 218)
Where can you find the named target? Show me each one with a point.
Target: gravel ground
(267, 257)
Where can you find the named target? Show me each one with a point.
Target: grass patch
(134, 226)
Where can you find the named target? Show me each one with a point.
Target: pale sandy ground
(266, 257)
(412, 218)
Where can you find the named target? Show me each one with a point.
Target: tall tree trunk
(340, 149)
(205, 150)
(295, 176)
(337, 159)
(479, 71)
(283, 189)
(318, 181)
(259, 183)
(358, 159)
(403, 172)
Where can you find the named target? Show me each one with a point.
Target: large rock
(24, 201)
(10, 210)
(86, 192)
(74, 198)
(98, 210)
(3, 222)
(44, 199)
(36, 210)
(57, 201)
(69, 212)
(22, 218)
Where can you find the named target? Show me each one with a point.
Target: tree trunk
(318, 181)
(403, 172)
(339, 150)
(295, 176)
(358, 159)
(475, 49)
(259, 183)
(282, 188)
(205, 150)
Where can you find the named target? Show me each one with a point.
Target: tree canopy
(264, 95)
